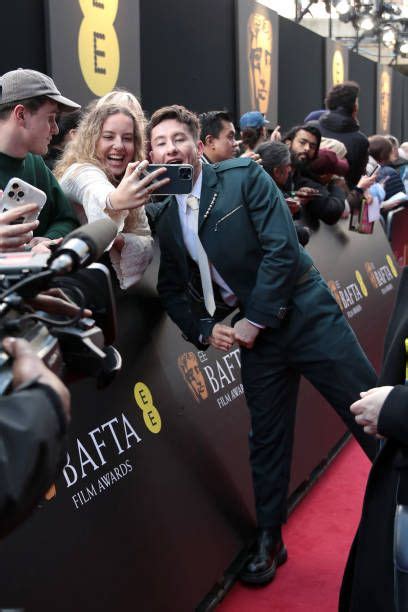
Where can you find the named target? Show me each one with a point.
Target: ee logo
(144, 400)
(98, 45)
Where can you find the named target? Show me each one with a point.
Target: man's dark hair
(312, 129)
(211, 123)
(32, 104)
(273, 155)
(179, 113)
(343, 96)
(250, 136)
(66, 123)
(380, 148)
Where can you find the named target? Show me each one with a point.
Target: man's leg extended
(271, 389)
(326, 351)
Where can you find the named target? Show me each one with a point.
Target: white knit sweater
(87, 186)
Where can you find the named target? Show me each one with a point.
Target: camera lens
(185, 173)
(15, 185)
(20, 194)
(10, 194)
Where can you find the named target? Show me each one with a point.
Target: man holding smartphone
(318, 202)
(29, 105)
(231, 244)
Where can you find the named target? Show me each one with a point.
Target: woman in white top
(101, 171)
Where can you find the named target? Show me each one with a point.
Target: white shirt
(189, 237)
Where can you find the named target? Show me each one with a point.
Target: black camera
(185, 173)
(72, 346)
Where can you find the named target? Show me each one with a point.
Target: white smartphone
(16, 193)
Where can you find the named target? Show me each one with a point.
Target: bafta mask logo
(370, 269)
(385, 100)
(192, 374)
(260, 60)
(337, 68)
(335, 293)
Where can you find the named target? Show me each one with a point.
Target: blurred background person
(218, 136)
(380, 149)
(253, 131)
(397, 161)
(67, 126)
(318, 202)
(340, 121)
(314, 115)
(101, 171)
(276, 162)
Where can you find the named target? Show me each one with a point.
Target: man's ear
(18, 113)
(200, 146)
(208, 140)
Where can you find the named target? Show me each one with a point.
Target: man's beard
(300, 165)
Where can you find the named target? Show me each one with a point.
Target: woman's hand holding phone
(136, 187)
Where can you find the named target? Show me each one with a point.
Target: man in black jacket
(340, 122)
(33, 421)
(318, 202)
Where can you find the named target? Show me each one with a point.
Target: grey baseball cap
(23, 83)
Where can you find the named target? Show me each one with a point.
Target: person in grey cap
(29, 105)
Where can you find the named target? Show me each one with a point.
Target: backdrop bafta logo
(337, 68)
(193, 376)
(259, 49)
(385, 100)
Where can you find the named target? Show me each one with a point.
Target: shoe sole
(269, 574)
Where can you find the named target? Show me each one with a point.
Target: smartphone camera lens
(15, 186)
(185, 174)
(20, 194)
(11, 194)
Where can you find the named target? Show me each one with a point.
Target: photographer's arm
(33, 422)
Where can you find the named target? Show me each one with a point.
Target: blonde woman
(101, 172)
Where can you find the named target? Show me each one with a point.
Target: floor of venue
(318, 536)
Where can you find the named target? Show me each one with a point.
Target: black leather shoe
(268, 553)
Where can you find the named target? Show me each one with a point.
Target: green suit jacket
(247, 232)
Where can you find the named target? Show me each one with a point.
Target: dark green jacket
(57, 217)
(248, 234)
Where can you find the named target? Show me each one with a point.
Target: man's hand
(366, 181)
(305, 194)
(368, 408)
(222, 337)
(14, 236)
(276, 135)
(27, 365)
(254, 156)
(245, 333)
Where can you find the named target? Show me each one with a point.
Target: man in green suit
(236, 228)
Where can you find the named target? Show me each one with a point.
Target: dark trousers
(316, 342)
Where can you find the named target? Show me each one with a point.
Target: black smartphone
(180, 175)
(374, 169)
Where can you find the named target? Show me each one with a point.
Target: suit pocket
(227, 216)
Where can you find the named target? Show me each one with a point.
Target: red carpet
(318, 536)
